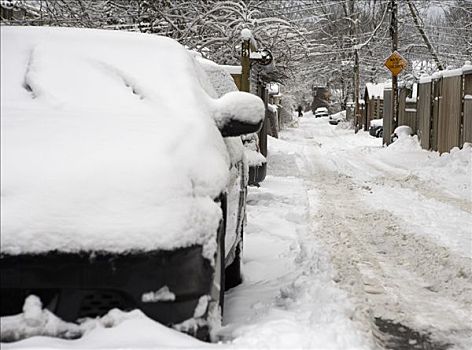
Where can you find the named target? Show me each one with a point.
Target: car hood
(107, 143)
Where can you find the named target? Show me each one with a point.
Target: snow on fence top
(466, 68)
(375, 90)
(107, 143)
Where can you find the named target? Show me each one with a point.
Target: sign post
(395, 63)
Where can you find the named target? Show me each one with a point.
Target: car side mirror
(237, 113)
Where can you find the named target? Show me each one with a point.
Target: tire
(380, 133)
(233, 275)
(218, 290)
(214, 313)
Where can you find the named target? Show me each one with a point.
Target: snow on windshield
(107, 143)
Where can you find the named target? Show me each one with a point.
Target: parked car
(376, 128)
(321, 112)
(334, 119)
(123, 177)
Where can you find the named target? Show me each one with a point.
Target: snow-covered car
(321, 112)
(376, 128)
(335, 118)
(123, 177)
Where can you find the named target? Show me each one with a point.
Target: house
(374, 102)
(321, 97)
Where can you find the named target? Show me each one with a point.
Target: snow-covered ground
(346, 243)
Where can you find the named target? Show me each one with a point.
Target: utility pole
(394, 34)
(357, 115)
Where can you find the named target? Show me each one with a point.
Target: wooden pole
(245, 65)
(356, 90)
(394, 34)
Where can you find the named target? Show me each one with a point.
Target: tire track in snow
(393, 273)
(414, 183)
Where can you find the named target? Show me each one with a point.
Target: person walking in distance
(300, 113)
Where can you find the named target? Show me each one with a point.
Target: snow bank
(451, 171)
(36, 321)
(454, 169)
(117, 329)
(107, 142)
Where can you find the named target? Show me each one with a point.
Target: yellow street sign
(395, 63)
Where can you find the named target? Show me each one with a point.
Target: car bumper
(74, 286)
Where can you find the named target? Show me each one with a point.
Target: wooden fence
(441, 114)
(444, 111)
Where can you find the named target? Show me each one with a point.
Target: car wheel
(233, 272)
(214, 314)
(217, 290)
(380, 133)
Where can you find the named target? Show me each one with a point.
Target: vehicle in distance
(123, 177)
(376, 128)
(335, 118)
(321, 112)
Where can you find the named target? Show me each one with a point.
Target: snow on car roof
(107, 143)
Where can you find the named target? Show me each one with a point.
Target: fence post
(245, 65)
(387, 116)
(467, 116)
(402, 106)
(437, 87)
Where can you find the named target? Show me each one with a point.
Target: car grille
(98, 303)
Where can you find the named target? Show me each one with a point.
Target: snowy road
(353, 246)
(348, 246)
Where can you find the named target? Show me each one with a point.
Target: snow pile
(404, 143)
(251, 146)
(36, 321)
(453, 169)
(116, 329)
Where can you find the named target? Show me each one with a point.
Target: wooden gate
(449, 118)
(424, 105)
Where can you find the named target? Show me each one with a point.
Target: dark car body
(376, 131)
